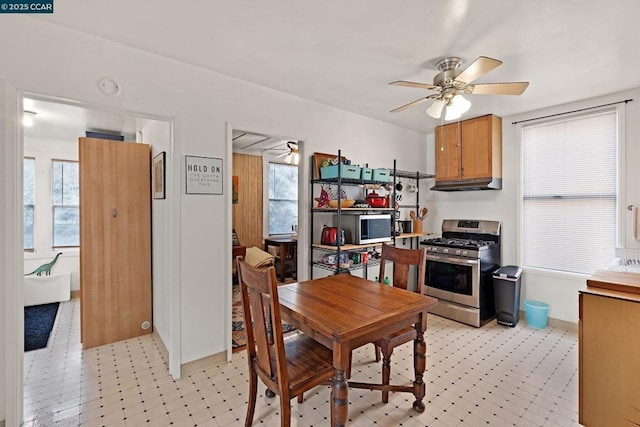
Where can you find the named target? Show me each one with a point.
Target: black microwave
(360, 229)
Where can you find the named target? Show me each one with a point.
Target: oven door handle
(459, 261)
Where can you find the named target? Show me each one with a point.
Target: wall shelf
(394, 175)
(331, 267)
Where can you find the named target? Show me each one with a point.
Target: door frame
(303, 214)
(12, 99)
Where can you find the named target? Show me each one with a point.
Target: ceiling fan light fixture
(292, 157)
(460, 103)
(452, 114)
(435, 110)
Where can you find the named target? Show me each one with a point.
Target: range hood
(469, 184)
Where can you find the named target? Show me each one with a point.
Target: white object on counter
(627, 260)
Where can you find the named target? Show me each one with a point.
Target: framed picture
(203, 175)
(234, 190)
(158, 180)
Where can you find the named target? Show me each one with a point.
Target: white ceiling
(67, 122)
(256, 144)
(344, 53)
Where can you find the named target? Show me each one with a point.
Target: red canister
(364, 257)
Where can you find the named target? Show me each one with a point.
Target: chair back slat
(402, 259)
(263, 321)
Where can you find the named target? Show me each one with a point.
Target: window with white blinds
(569, 192)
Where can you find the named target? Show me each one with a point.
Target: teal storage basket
(366, 174)
(537, 314)
(346, 172)
(381, 175)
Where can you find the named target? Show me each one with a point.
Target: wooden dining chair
(402, 259)
(288, 368)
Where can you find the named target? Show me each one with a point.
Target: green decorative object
(45, 268)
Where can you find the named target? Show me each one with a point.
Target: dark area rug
(38, 323)
(239, 337)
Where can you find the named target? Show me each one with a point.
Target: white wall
(158, 135)
(44, 151)
(5, 247)
(51, 60)
(558, 289)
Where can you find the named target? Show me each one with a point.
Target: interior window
(283, 198)
(29, 186)
(65, 195)
(569, 192)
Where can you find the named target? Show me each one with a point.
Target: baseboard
(74, 294)
(564, 324)
(202, 364)
(190, 367)
(161, 346)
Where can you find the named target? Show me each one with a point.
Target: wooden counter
(609, 350)
(616, 281)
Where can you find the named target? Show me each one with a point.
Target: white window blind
(569, 193)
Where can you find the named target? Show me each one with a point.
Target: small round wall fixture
(108, 86)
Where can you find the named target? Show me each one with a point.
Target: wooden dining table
(344, 312)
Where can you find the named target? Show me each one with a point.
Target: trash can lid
(508, 271)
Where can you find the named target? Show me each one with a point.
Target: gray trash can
(506, 294)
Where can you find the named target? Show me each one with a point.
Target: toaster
(330, 236)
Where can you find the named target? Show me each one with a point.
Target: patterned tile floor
(493, 376)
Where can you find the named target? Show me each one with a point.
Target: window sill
(555, 273)
(67, 252)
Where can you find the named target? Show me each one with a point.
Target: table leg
(282, 254)
(339, 384)
(339, 399)
(419, 364)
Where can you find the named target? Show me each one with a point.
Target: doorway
(265, 205)
(57, 125)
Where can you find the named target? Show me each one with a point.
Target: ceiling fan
(452, 82)
(291, 156)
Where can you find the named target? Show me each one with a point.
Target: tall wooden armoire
(115, 240)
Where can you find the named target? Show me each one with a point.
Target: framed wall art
(235, 191)
(203, 175)
(158, 176)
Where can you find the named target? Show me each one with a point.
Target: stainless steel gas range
(459, 270)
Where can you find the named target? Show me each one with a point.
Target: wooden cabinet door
(448, 152)
(477, 149)
(115, 240)
(609, 361)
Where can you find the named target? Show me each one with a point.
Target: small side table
(287, 251)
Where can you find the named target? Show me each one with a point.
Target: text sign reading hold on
(203, 175)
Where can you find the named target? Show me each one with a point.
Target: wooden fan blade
(414, 103)
(512, 88)
(478, 68)
(415, 85)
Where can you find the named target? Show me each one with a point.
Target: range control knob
(458, 251)
(445, 250)
(464, 253)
